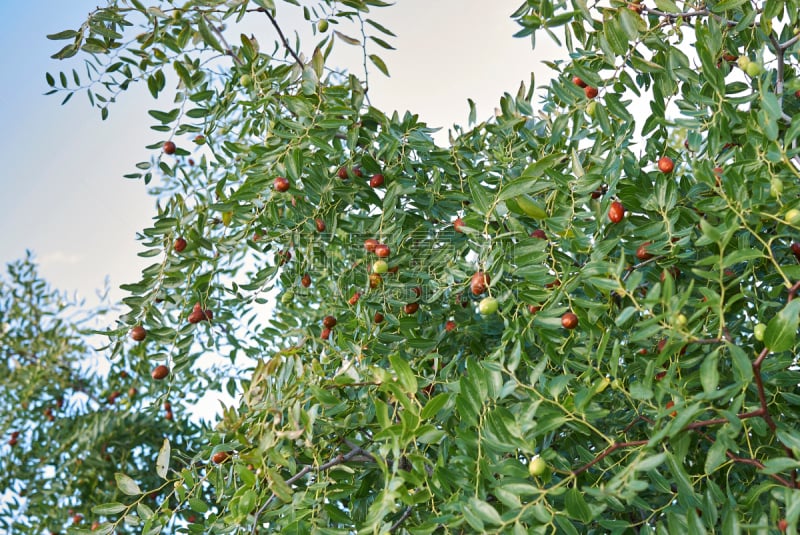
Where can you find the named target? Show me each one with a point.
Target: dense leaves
(622, 353)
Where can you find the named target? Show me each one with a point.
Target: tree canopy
(572, 317)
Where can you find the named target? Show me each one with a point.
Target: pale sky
(63, 192)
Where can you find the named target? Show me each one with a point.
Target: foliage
(69, 427)
(661, 411)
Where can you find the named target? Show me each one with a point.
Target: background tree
(564, 320)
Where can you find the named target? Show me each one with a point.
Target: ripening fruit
(220, 457)
(616, 212)
(759, 330)
(450, 326)
(370, 244)
(375, 279)
(169, 147)
(377, 318)
(669, 405)
(354, 299)
(665, 164)
(376, 181)
(342, 173)
(795, 247)
(382, 250)
(793, 216)
(320, 224)
(179, 245)
(380, 266)
(159, 372)
(569, 320)
(590, 92)
(642, 253)
(138, 333)
(281, 184)
(329, 322)
(577, 81)
(479, 282)
(325, 334)
(537, 466)
(488, 306)
(539, 233)
(458, 224)
(411, 308)
(306, 280)
(783, 525)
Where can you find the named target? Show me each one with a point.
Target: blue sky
(63, 192)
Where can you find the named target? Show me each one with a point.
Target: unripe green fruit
(322, 25)
(743, 62)
(753, 68)
(380, 266)
(590, 108)
(488, 306)
(537, 466)
(759, 330)
(246, 80)
(793, 216)
(680, 321)
(776, 187)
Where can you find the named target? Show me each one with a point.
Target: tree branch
(351, 455)
(609, 450)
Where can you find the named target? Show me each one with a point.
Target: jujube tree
(550, 324)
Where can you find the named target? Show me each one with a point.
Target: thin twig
(609, 450)
(283, 38)
(403, 517)
(227, 47)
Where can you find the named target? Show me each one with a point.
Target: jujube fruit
(569, 320)
(616, 212)
(179, 245)
(159, 372)
(382, 250)
(329, 322)
(220, 457)
(169, 147)
(537, 466)
(281, 184)
(479, 283)
(488, 306)
(138, 333)
(665, 164)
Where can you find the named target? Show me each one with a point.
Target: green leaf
(667, 5)
(379, 63)
(110, 508)
(782, 329)
(127, 485)
(404, 373)
(484, 511)
(576, 505)
(434, 405)
(162, 462)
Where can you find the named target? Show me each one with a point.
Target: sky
(63, 192)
